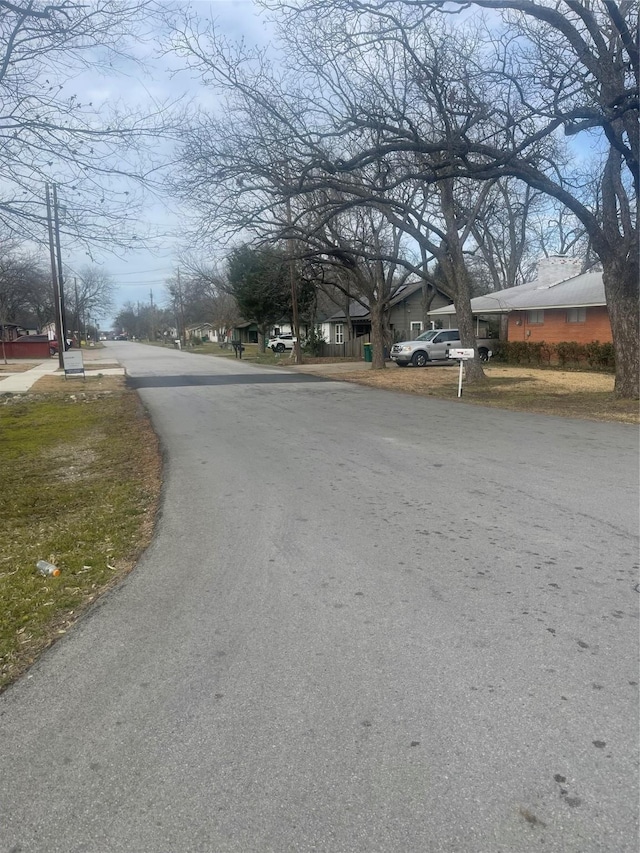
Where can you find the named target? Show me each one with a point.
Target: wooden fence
(349, 349)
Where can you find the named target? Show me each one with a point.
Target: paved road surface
(368, 622)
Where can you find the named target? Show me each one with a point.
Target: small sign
(462, 354)
(73, 363)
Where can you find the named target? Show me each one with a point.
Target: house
(410, 307)
(407, 314)
(10, 331)
(245, 331)
(204, 331)
(334, 328)
(560, 305)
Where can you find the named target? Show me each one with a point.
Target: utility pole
(54, 279)
(183, 336)
(77, 322)
(297, 351)
(153, 325)
(63, 318)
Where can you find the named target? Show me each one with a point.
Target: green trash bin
(368, 352)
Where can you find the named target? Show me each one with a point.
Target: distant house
(560, 305)
(246, 331)
(11, 331)
(205, 331)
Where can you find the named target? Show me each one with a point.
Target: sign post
(73, 363)
(461, 355)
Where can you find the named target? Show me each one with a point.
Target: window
(535, 317)
(416, 327)
(339, 333)
(576, 315)
(445, 337)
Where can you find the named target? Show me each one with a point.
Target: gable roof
(408, 289)
(203, 325)
(359, 311)
(356, 312)
(581, 291)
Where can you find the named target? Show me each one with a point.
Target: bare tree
(25, 288)
(556, 66)
(207, 296)
(98, 154)
(276, 139)
(88, 294)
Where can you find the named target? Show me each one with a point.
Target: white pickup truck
(434, 346)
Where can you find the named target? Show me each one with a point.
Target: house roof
(407, 290)
(581, 291)
(198, 326)
(404, 292)
(356, 311)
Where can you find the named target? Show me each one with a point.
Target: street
(368, 622)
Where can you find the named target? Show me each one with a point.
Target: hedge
(566, 353)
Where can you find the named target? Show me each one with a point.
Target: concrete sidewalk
(21, 383)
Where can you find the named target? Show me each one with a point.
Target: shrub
(500, 350)
(599, 355)
(595, 354)
(540, 352)
(313, 343)
(570, 351)
(518, 352)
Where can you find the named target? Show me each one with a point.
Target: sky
(138, 274)
(141, 275)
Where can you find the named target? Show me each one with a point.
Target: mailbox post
(461, 355)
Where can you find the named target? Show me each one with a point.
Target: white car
(281, 343)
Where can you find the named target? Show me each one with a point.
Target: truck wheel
(483, 354)
(419, 359)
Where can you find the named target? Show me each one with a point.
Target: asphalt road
(368, 622)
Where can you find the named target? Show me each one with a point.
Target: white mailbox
(462, 354)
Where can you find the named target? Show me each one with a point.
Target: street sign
(73, 363)
(462, 354)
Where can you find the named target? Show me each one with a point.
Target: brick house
(560, 305)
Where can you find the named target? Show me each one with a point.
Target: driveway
(368, 622)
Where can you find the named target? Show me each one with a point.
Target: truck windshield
(427, 336)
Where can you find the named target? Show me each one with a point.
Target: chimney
(557, 268)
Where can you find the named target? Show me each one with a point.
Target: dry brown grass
(566, 393)
(56, 383)
(19, 367)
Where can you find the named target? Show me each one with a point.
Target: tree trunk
(473, 371)
(377, 337)
(453, 265)
(620, 276)
(428, 295)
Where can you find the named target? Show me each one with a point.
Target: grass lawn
(566, 393)
(82, 480)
